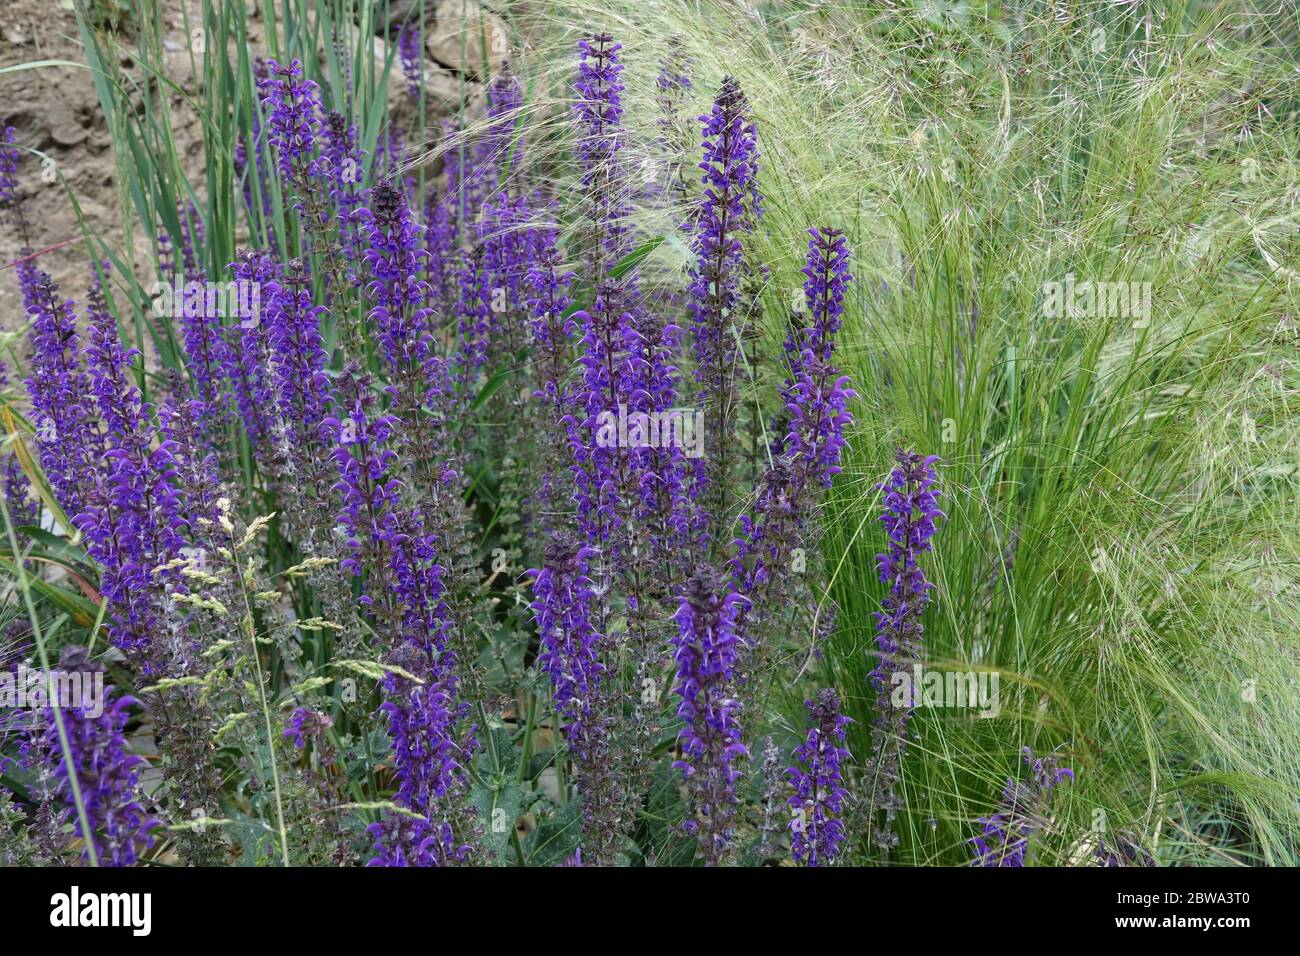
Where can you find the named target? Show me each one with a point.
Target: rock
(66, 128)
(464, 35)
(442, 89)
(399, 12)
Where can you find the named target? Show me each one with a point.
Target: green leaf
(82, 609)
(633, 258)
(555, 839)
(497, 794)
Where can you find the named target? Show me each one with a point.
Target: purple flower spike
(1005, 838)
(249, 359)
(816, 830)
(395, 261)
(58, 387)
(305, 724)
(16, 487)
(729, 209)
(816, 409)
(827, 272)
(411, 53)
(131, 515)
(293, 104)
(108, 776)
(569, 640)
(706, 653)
(911, 509)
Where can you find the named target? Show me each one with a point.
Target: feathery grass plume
(1004, 840)
(675, 135)
(911, 509)
(817, 831)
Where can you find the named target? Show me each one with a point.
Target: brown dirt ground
(55, 110)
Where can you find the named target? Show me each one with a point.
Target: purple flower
(429, 756)
(443, 264)
(911, 509)
(827, 272)
(292, 102)
(304, 724)
(192, 465)
(816, 408)
(569, 641)
(729, 209)
(249, 361)
(11, 203)
(369, 491)
(210, 359)
(599, 113)
(58, 387)
(816, 830)
(611, 340)
(411, 53)
(297, 355)
(548, 298)
(1124, 849)
(510, 243)
(403, 594)
(342, 156)
(403, 841)
(499, 147)
(1005, 838)
(395, 261)
(131, 514)
(15, 486)
(674, 83)
(707, 650)
(475, 311)
(107, 775)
